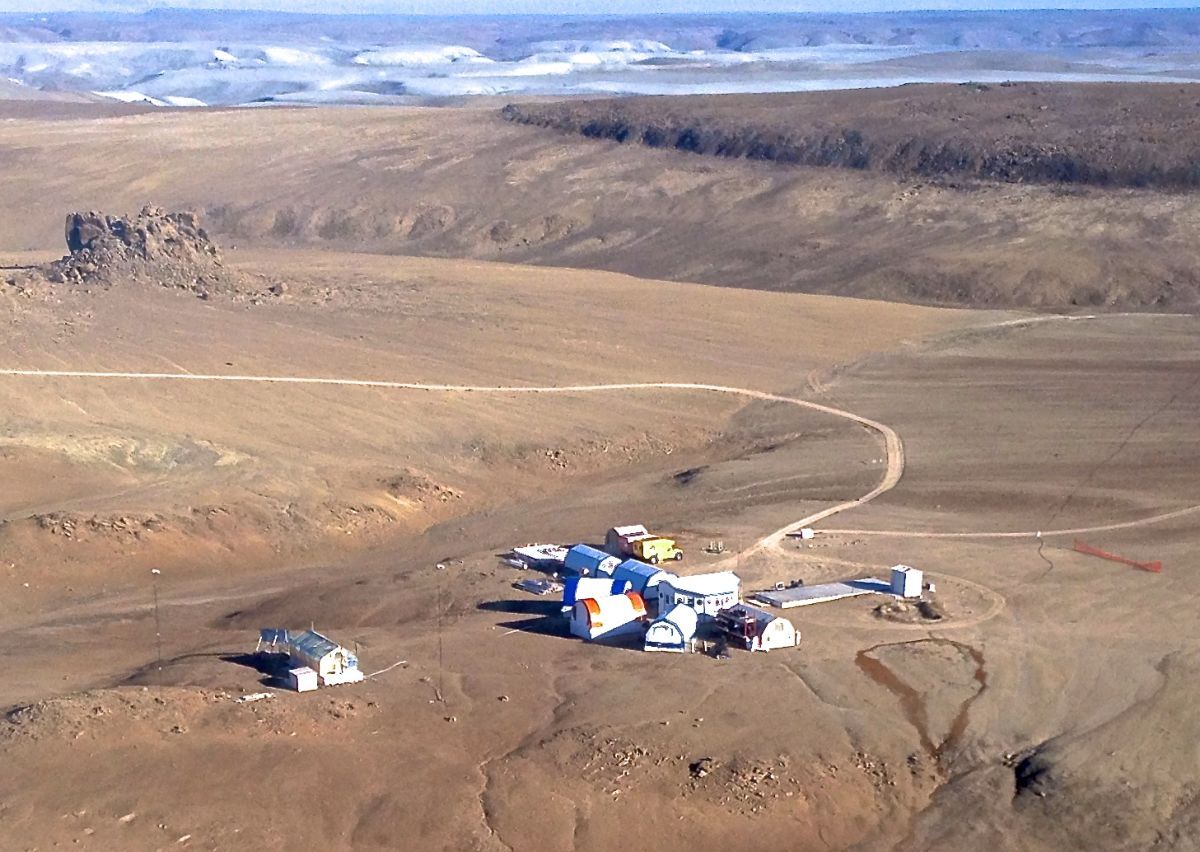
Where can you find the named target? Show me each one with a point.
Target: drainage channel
(912, 702)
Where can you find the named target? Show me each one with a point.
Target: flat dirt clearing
(1052, 706)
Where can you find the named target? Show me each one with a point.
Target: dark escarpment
(1098, 134)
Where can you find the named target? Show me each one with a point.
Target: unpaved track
(891, 439)
(1118, 525)
(893, 445)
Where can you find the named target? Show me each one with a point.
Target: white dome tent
(673, 631)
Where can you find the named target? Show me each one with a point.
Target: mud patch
(906, 612)
(917, 676)
(1031, 773)
(686, 477)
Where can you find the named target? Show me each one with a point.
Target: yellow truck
(636, 541)
(655, 549)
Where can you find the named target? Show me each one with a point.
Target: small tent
(576, 588)
(589, 562)
(615, 615)
(672, 631)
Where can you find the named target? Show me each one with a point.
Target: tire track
(1034, 534)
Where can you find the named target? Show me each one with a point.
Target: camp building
(332, 663)
(707, 594)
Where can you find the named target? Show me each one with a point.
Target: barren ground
(1051, 708)
(466, 183)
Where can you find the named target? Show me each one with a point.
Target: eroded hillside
(466, 183)
(1098, 134)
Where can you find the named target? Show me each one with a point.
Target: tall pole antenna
(440, 568)
(154, 573)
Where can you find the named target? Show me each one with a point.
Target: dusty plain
(1050, 708)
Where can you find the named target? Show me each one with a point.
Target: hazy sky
(579, 6)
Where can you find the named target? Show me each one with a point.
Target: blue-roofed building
(332, 663)
(642, 578)
(587, 561)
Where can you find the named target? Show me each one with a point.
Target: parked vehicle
(636, 541)
(655, 549)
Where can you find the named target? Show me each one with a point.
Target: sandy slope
(153, 471)
(465, 183)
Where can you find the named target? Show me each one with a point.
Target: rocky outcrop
(168, 249)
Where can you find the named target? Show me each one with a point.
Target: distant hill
(1099, 134)
(11, 90)
(464, 183)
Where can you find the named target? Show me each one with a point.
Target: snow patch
(292, 56)
(527, 68)
(635, 46)
(421, 55)
(181, 101)
(128, 96)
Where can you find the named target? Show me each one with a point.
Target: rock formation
(169, 249)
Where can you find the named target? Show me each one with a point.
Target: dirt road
(893, 446)
(1118, 525)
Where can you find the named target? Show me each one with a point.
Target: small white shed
(707, 594)
(672, 631)
(302, 679)
(615, 615)
(907, 582)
